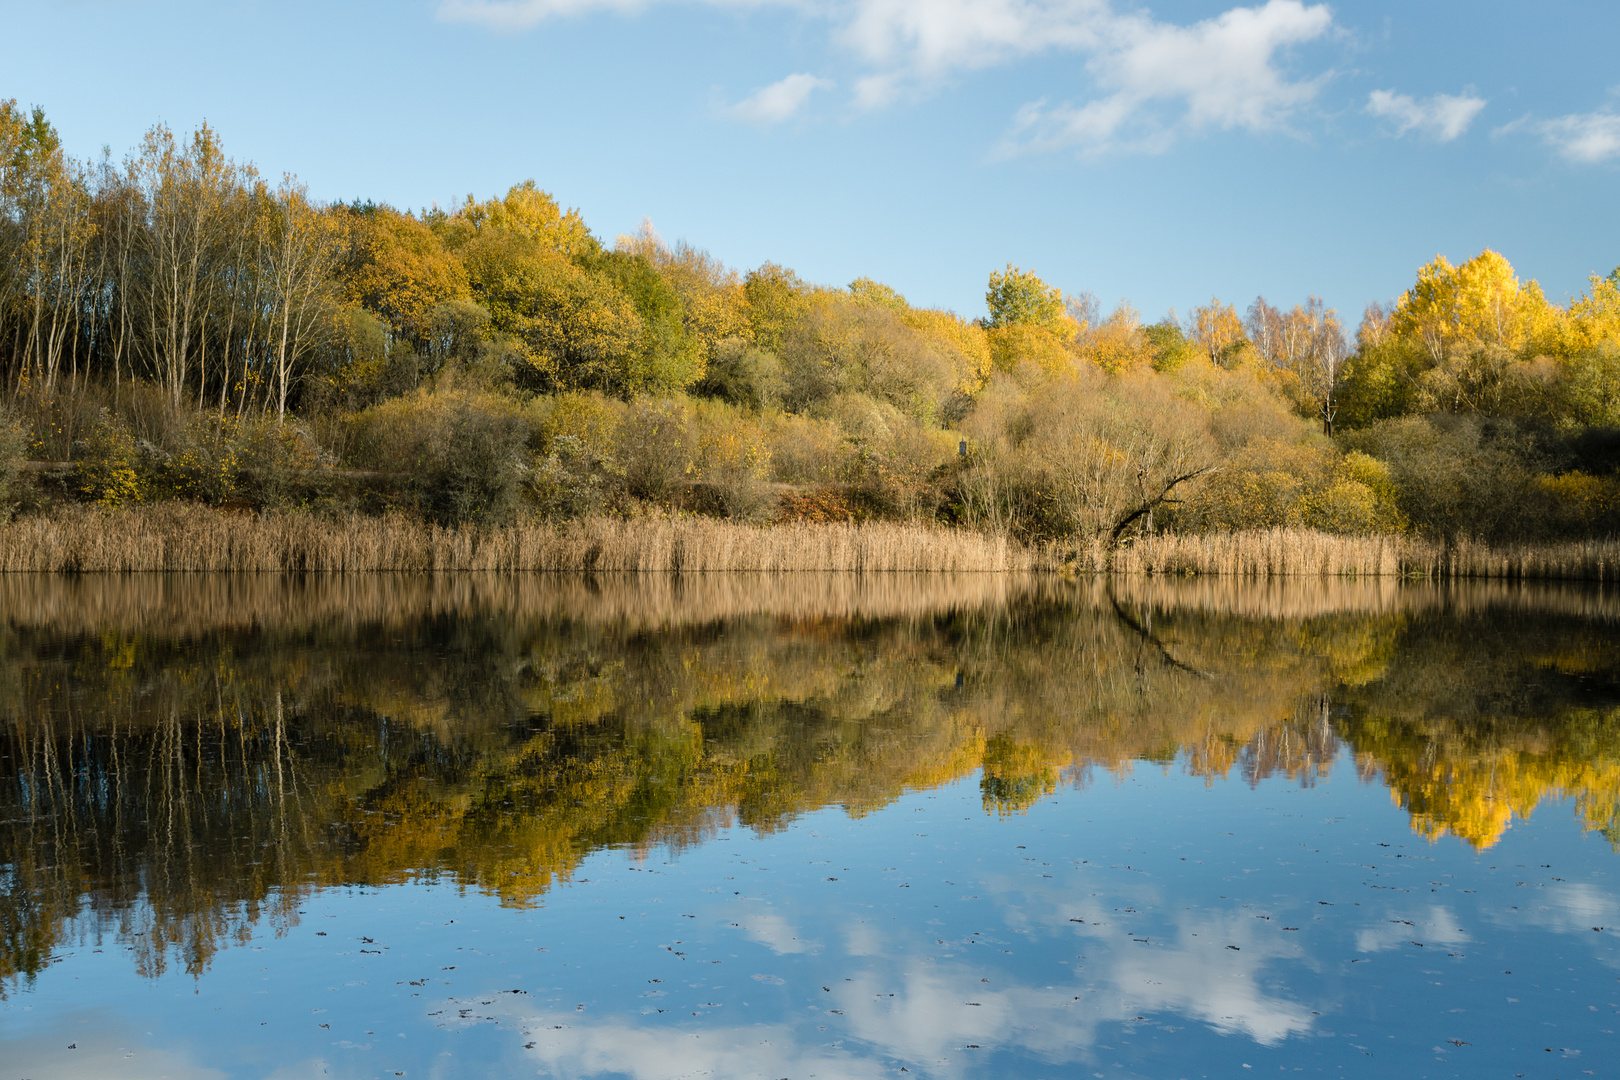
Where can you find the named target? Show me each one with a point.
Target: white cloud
(1442, 117)
(570, 1047)
(1583, 137)
(1219, 73)
(779, 101)
(1158, 79)
(933, 37)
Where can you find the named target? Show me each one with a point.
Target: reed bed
(1305, 553)
(186, 538)
(181, 537)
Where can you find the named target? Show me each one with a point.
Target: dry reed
(183, 537)
(188, 538)
(1303, 552)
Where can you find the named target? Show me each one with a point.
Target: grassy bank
(185, 538)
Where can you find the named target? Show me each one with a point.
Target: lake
(807, 826)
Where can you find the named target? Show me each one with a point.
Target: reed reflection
(182, 759)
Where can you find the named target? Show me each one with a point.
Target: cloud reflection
(900, 1004)
(100, 1048)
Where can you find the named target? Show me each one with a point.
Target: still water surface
(811, 826)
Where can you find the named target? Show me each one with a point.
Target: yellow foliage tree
(964, 342)
(577, 330)
(1461, 308)
(524, 211)
(1217, 332)
(397, 268)
(1116, 344)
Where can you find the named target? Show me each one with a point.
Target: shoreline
(189, 538)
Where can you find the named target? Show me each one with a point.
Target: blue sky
(1162, 153)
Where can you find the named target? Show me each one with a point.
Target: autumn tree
(1218, 334)
(1466, 339)
(1018, 297)
(665, 358)
(776, 299)
(46, 235)
(1116, 344)
(301, 251)
(1304, 349)
(577, 329)
(1027, 322)
(397, 267)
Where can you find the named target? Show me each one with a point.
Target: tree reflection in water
(184, 758)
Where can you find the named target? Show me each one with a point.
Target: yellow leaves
(1015, 344)
(107, 473)
(1272, 483)
(1017, 775)
(590, 418)
(1466, 307)
(398, 268)
(525, 211)
(1593, 321)
(776, 300)
(1117, 344)
(965, 344)
(1583, 501)
(733, 449)
(577, 330)
(1218, 334)
(1474, 791)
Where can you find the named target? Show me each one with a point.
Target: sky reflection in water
(1021, 831)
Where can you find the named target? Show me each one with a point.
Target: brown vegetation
(185, 537)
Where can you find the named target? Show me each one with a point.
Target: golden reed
(185, 537)
(1264, 553)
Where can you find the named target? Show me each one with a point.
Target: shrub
(471, 465)
(108, 469)
(903, 467)
(653, 447)
(460, 454)
(734, 461)
(200, 460)
(1578, 503)
(821, 507)
(570, 480)
(280, 461)
(743, 374)
(805, 450)
(1456, 475)
(13, 452)
(844, 346)
(590, 417)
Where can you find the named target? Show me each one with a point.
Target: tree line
(175, 325)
